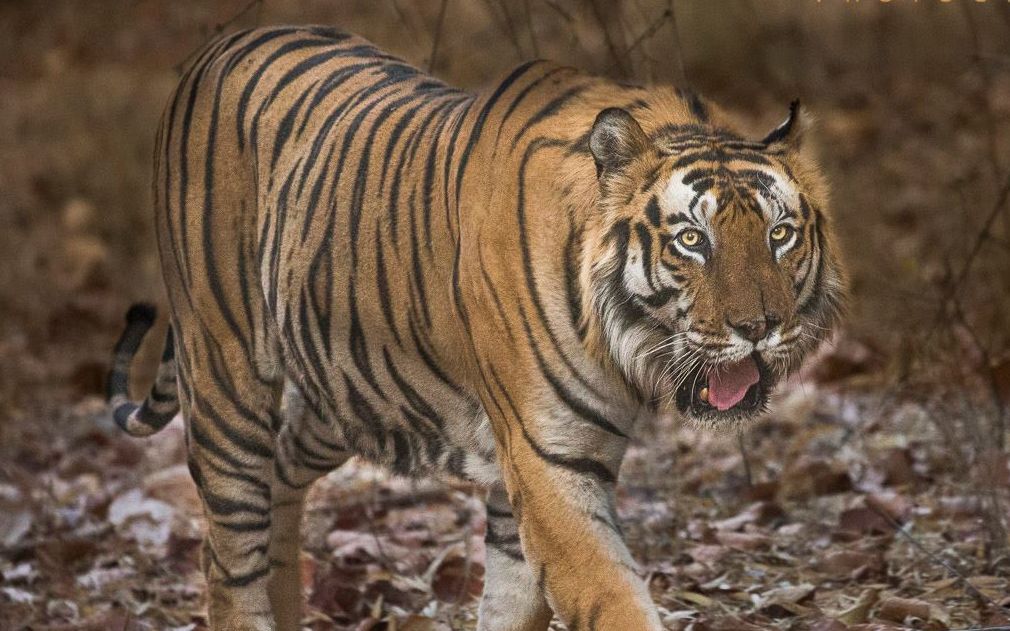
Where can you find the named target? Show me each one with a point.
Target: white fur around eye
(677, 197)
(781, 250)
(676, 231)
(635, 272)
(693, 254)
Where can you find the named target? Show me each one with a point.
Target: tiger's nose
(754, 329)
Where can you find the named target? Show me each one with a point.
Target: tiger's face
(712, 271)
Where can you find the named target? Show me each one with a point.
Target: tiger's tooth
(703, 395)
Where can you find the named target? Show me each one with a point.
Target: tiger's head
(711, 265)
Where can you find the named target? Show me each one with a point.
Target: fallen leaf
(144, 520)
(860, 610)
(456, 578)
(848, 563)
(904, 610)
(362, 547)
(14, 525)
(747, 541)
(863, 520)
(17, 595)
(828, 624)
(422, 623)
(695, 598)
(893, 505)
(756, 513)
(810, 477)
(785, 601)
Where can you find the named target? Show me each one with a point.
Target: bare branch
(402, 16)
(676, 41)
(513, 37)
(531, 30)
(438, 35)
(649, 31)
(217, 30)
(607, 15)
(565, 15)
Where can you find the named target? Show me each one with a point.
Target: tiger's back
(363, 260)
(307, 229)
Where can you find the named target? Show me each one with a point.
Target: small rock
(62, 609)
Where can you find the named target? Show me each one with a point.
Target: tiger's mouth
(728, 391)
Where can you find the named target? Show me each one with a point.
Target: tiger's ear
(789, 133)
(616, 140)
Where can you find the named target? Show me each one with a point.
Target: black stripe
(257, 75)
(382, 287)
(527, 259)
(415, 400)
(489, 283)
(415, 260)
(365, 413)
(645, 241)
(430, 362)
(694, 103)
(652, 211)
(562, 393)
(584, 466)
(358, 345)
(285, 127)
(230, 430)
(548, 110)
(246, 579)
(478, 125)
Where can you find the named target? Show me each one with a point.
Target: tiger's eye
(690, 238)
(781, 232)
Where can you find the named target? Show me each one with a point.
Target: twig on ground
(745, 458)
(932, 556)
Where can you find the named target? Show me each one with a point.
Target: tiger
(496, 286)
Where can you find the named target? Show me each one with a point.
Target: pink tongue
(728, 384)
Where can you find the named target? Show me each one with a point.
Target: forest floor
(841, 510)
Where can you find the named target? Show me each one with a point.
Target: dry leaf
(848, 563)
(860, 610)
(747, 541)
(905, 610)
(862, 520)
(782, 601)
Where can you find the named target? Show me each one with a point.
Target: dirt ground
(873, 496)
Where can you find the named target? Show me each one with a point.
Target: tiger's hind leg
(303, 455)
(513, 599)
(232, 413)
(285, 586)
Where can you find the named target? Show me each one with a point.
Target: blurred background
(890, 445)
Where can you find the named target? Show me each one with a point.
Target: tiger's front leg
(513, 599)
(562, 496)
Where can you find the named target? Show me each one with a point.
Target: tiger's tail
(162, 402)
